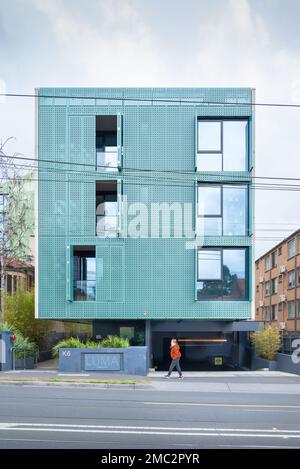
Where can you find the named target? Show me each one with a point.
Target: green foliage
(114, 341)
(5, 327)
(267, 342)
(19, 312)
(74, 342)
(24, 347)
(71, 342)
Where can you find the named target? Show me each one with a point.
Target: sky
(197, 43)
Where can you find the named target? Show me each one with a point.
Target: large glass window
(291, 310)
(106, 208)
(292, 279)
(222, 210)
(291, 248)
(222, 274)
(106, 143)
(222, 145)
(84, 275)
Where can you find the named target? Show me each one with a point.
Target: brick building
(277, 284)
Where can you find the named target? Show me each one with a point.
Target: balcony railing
(107, 159)
(85, 290)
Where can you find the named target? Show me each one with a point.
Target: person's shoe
(167, 376)
(180, 377)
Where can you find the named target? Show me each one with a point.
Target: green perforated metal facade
(136, 278)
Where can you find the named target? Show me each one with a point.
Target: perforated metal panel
(150, 278)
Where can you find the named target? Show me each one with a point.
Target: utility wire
(154, 100)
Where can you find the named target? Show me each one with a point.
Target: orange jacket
(175, 352)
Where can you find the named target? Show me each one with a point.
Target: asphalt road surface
(162, 416)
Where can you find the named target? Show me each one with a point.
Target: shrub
(5, 327)
(267, 342)
(24, 347)
(114, 341)
(71, 342)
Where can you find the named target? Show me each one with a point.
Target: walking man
(175, 355)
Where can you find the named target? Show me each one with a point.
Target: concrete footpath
(255, 382)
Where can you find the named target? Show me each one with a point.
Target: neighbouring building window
(9, 287)
(274, 312)
(267, 313)
(84, 274)
(274, 285)
(257, 288)
(257, 265)
(267, 262)
(298, 309)
(280, 278)
(298, 277)
(222, 145)
(106, 143)
(291, 309)
(222, 210)
(267, 288)
(279, 251)
(274, 259)
(106, 208)
(291, 248)
(291, 279)
(222, 274)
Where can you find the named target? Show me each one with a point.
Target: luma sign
(102, 361)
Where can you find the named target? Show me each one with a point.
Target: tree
(19, 313)
(267, 342)
(15, 216)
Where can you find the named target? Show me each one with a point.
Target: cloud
(117, 50)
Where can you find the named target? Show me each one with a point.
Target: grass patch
(92, 381)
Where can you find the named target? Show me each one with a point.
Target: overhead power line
(188, 101)
(140, 170)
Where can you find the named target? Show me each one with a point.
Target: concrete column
(148, 341)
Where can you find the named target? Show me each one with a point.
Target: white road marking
(124, 429)
(200, 404)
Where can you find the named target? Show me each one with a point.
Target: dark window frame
(221, 152)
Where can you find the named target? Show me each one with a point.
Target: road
(160, 416)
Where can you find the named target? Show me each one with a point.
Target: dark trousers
(175, 364)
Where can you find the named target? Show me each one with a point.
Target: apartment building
(277, 283)
(145, 216)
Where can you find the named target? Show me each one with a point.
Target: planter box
(258, 363)
(27, 364)
(131, 360)
(5, 351)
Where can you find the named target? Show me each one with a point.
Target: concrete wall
(5, 351)
(285, 363)
(131, 360)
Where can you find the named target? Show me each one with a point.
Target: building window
(291, 309)
(267, 313)
(291, 248)
(257, 265)
(292, 278)
(267, 263)
(106, 143)
(106, 208)
(298, 277)
(222, 210)
(257, 288)
(222, 274)
(127, 332)
(9, 284)
(274, 259)
(280, 278)
(279, 251)
(222, 145)
(274, 286)
(267, 288)
(298, 309)
(274, 312)
(84, 265)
